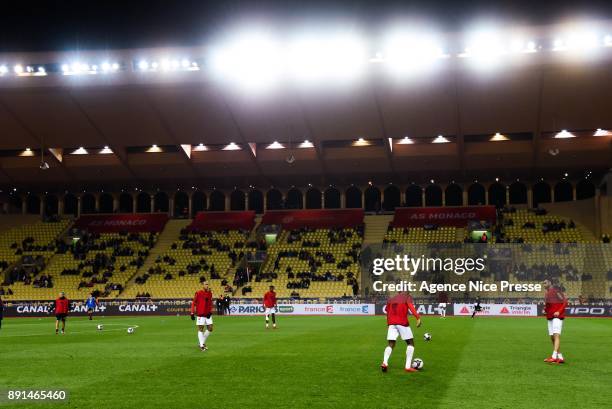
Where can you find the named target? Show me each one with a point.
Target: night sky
(72, 25)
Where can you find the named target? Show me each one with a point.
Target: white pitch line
(70, 332)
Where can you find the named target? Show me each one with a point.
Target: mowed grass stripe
(503, 367)
(314, 362)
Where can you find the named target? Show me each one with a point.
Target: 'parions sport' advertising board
(306, 309)
(498, 310)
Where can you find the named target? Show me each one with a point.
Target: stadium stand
(211, 248)
(24, 251)
(312, 263)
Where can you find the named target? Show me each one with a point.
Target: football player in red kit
(555, 314)
(398, 325)
(269, 303)
(202, 308)
(62, 307)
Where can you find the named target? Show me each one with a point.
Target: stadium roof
(358, 131)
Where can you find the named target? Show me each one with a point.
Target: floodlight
(602, 132)
(275, 145)
(484, 48)
(339, 57)
(231, 147)
(564, 134)
(3, 69)
(143, 65)
(406, 52)
(80, 151)
(18, 69)
(250, 60)
(306, 144)
(498, 137)
(405, 141)
(440, 139)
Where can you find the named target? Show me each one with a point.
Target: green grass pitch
(309, 362)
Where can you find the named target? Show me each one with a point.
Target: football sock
(267, 318)
(559, 355)
(388, 351)
(554, 354)
(274, 319)
(205, 336)
(409, 353)
(201, 338)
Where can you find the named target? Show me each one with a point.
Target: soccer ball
(100, 327)
(427, 336)
(417, 363)
(130, 330)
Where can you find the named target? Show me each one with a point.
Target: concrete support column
(79, 205)
(171, 206)
(303, 199)
(507, 195)
(116, 203)
(322, 200)
(530, 197)
(573, 192)
(97, 203)
(464, 197)
(486, 195)
(190, 204)
(265, 201)
(227, 206)
(134, 203)
(552, 194)
(423, 197)
(246, 201)
(24, 205)
(61, 205)
(363, 204)
(443, 188)
(152, 203)
(343, 199)
(402, 197)
(41, 209)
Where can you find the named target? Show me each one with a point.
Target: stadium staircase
(376, 228)
(166, 238)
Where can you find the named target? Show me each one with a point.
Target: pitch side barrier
(165, 307)
(183, 307)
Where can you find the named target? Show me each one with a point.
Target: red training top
(202, 303)
(62, 305)
(397, 310)
(269, 299)
(555, 302)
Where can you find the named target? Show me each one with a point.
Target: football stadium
(306, 213)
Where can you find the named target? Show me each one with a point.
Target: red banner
(223, 220)
(316, 218)
(442, 216)
(127, 222)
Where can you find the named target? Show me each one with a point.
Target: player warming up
(477, 307)
(555, 314)
(397, 322)
(62, 306)
(91, 303)
(269, 302)
(201, 307)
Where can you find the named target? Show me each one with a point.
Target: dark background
(71, 25)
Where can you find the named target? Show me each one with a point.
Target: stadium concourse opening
(421, 214)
